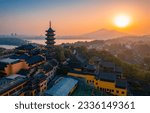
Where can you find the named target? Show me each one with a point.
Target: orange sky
(72, 18)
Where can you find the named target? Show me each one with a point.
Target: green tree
(60, 54)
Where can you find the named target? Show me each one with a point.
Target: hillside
(131, 49)
(12, 41)
(104, 34)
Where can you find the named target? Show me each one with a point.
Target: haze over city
(74, 17)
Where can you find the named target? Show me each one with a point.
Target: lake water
(8, 46)
(42, 41)
(59, 41)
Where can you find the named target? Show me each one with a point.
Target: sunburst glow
(122, 21)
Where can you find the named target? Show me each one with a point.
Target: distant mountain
(102, 34)
(130, 40)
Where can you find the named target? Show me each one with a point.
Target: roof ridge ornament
(50, 24)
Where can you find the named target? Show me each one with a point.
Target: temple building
(64, 87)
(50, 43)
(37, 84)
(13, 85)
(24, 49)
(108, 79)
(104, 81)
(29, 69)
(10, 66)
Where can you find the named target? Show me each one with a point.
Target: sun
(122, 21)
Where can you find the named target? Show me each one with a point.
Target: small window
(112, 90)
(117, 91)
(96, 83)
(122, 92)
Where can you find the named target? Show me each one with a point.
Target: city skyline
(69, 17)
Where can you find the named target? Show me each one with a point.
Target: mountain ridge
(104, 34)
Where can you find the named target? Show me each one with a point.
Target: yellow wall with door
(108, 86)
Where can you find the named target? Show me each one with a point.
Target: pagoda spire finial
(50, 24)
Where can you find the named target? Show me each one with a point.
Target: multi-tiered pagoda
(50, 42)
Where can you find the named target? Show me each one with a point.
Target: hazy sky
(31, 17)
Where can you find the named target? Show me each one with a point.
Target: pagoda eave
(50, 38)
(50, 42)
(50, 34)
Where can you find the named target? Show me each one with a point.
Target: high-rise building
(50, 42)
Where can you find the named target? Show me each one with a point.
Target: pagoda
(50, 42)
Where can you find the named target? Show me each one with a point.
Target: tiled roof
(35, 59)
(50, 42)
(34, 52)
(74, 63)
(8, 83)
(121, 83)
(62, 88)
(91, 67)
(108, 64)
(23, 56)
(39, 77)
(54, 62)
(104, 76)
(50, 38)
(23, 72)
(3, 65)
(13, 56)
(80, 72)
(47, 68)
(9, 60)
(26, 47)
(50, 30)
